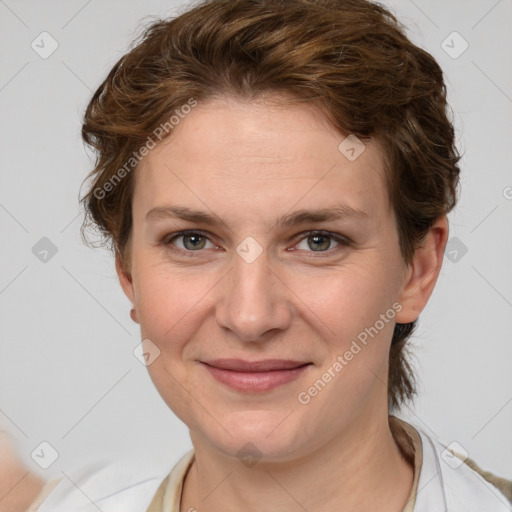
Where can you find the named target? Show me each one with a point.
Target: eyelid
(167, 239)
(341, 239)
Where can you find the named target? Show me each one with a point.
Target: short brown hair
(351, 57)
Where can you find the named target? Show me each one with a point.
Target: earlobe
(421, 276)
(134, 316)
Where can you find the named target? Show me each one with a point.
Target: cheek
(171, 310)
(350, 303)
(167, 302)
(348, 299)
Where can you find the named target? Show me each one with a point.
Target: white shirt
(442, 483)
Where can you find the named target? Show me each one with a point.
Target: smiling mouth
(255, 376)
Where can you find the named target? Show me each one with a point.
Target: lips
(267, 365)
(255, 376)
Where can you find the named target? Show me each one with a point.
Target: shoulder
(457, 481)
(504, 485)
(122, 485)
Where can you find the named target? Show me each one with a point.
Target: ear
(125, 279)
(421, 275)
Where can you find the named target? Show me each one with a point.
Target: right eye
(191, 241)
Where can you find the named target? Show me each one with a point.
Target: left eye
(320, 241)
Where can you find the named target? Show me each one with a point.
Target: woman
(274, 178)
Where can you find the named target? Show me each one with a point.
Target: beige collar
(168, 496)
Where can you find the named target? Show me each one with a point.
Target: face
(290, 259)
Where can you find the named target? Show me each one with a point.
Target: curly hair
(351, 57)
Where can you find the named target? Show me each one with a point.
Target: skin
(249, 163)
(18, 485)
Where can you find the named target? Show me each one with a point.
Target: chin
(257, 433)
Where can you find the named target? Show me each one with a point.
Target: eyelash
(168, 239)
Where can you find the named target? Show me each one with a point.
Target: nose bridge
(253, 301)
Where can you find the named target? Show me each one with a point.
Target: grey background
(67, 372)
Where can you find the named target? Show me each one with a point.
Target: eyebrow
(298, 217)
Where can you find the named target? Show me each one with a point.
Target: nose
(252, 300)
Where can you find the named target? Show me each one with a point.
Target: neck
(361, 468)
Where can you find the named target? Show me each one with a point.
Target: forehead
(240, 157)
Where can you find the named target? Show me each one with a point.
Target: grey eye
(317, 242)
